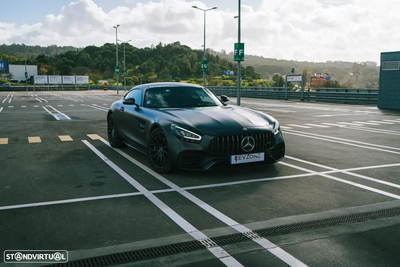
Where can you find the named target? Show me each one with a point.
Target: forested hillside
(157, 63)
(176, 62)
(350, 74)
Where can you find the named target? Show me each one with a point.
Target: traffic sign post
(124, 72)
(294, 78)
(116, 70)
(204, 66)
(239, 52)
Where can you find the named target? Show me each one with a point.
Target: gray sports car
(185, 126)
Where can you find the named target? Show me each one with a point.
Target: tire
(158, 151)
(112, 133)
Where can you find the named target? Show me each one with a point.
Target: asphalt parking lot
(333, 201)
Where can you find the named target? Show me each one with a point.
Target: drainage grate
(162, 251)
(323, 223)
(136, 255)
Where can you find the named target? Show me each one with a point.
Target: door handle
(121, 108)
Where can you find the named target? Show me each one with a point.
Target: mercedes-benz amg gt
(185, 126)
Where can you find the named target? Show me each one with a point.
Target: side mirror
(224, 98)
(130, 101)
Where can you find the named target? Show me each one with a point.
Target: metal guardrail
(337, 95)
(78, 87)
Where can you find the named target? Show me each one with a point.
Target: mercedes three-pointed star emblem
(248, 144)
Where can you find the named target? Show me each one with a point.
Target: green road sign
(117, 70)
(26, 75)
(124, 73)
(239, 52)
(204, 66)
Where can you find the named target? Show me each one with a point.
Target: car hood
(220, 118)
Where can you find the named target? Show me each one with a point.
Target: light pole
(26, 76)
(204, 45)
(26, 73)
(124, 73)
(239, 90)
(116, 57)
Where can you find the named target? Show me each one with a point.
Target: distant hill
(21, 50)
(178, 60)
(365, 74)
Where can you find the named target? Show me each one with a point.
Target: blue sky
(302, 30)
(36, 10)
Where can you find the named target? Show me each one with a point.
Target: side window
(137, 95)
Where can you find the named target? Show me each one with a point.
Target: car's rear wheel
(113, 136)
(158, 151)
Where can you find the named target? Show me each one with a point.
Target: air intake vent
(232, 144)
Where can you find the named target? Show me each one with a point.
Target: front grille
(232, 144)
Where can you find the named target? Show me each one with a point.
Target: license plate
(247, 158)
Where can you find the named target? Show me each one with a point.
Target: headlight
(185, 135)
(277, 128)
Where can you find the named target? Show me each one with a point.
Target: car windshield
(179, 97)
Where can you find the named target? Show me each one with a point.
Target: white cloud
(312, 30)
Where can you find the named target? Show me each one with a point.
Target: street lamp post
(239, 90)
(26, 76)
(116, 56)
(204, 45)
(124, 73)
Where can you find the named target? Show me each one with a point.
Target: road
(333, 201)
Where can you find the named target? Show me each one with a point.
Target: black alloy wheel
(113, 137)
(158, 151)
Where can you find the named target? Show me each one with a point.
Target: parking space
(63, 187)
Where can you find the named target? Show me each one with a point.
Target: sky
(301, 30)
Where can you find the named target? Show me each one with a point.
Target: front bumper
(206, 156)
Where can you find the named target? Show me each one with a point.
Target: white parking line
(58, 116)
(392, 121)
(99, 108)
(334, 170)
(286, 128)
(342, 180)
(4, 141)
(1, 109)
(375, 130)
(384, 122)
(217, 251)
(336, 115)
(344, 141)
(332, 124)
(67, 201)
(298, 126)
(350, 123)
(363, 122)
(268, 245)
(317, 125)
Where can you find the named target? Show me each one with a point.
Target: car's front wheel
(113, 136)
(158, 151)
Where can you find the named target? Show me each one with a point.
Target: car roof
(170, 84)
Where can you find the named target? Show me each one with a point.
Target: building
(389, 81)
(318, 80)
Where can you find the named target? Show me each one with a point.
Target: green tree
(278, 81)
